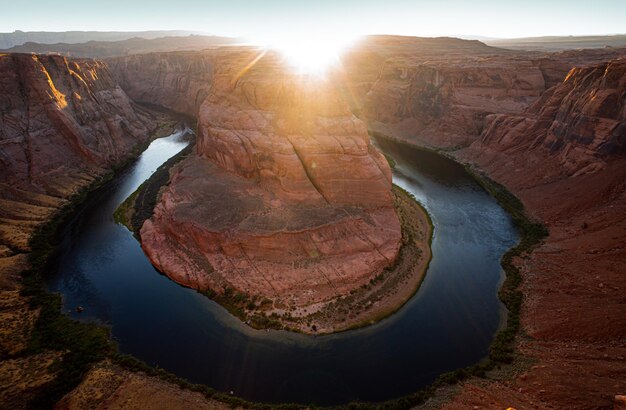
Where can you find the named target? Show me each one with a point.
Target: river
(448, 324)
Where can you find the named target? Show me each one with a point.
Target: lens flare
(310, 55)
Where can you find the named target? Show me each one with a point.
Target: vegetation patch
(531, 235)
(390, 161)
(248, 309)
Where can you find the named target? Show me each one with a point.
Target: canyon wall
(62, 124)
(564, 157)
(286, 197)
(179, 81)
(441, 100)
(444, 102)
(578, 125)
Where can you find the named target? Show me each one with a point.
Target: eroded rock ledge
(286, 203)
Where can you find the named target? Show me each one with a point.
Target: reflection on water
(449, 323)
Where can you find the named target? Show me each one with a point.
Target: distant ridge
(114, 43)
(18, 37)
(556, 43)
(388, 43)
(135, 45)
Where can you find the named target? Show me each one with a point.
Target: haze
(272, 19)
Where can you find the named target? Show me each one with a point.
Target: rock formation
(286, 197)
(578, 124)
(179, 81)
(441, 99)
(62, 124)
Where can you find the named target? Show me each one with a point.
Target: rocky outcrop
(108, 386)
(441, 100)
(445, 103)
(286, 197)
(62, 124)
(179, 81)
(578, 125)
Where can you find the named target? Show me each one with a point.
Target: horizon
(275, 19)
(187, 33)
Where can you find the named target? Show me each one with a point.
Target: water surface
(448, 324)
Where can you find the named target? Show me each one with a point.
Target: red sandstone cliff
(179, 81)
(579, 125)
(441, 99)
(286, 197)
(448, 101)
(62, 123)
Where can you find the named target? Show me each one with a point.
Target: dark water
(448, 324)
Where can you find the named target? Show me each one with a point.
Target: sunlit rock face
(286, 197)
(63, 123)
(295, 135)
(579, 124)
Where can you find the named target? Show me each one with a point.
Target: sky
(269, 19)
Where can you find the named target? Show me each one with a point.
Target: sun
(311, 55)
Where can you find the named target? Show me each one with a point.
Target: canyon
(505, 113)
(550, 127)
(556, 140)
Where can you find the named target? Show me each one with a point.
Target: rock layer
(441, 99)
(286, 197)
(579, 123)
(62, 124)
(179, 81)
